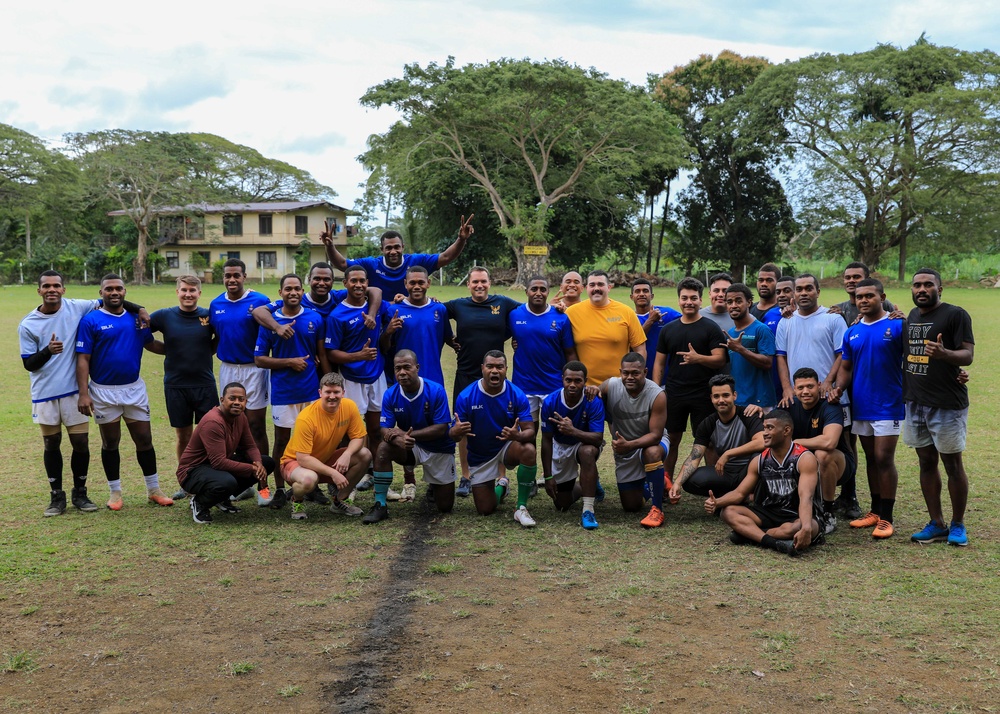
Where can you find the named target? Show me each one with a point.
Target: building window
(173, 259)
(265, 224)
(333, 222)
(267, 259)
(302, 225)
(232, 225)
(231, 255)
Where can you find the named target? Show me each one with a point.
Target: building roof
(264, 207)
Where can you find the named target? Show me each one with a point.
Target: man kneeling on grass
(784, 515)
(222, 458)
(314, 455)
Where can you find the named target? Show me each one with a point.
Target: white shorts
(488, 472)
(114, 401)
(284, 415)
(255, 380)
(630, 468)
(58, 411)
(438, 468)
(368, 397)
(881, 427)
(564, 464)
(535, 404)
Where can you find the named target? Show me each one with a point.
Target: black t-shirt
(187, 339)
(934, 382)
(722, 437)
(758, 313)
(688, 381)
(810, 423)
(479, 328)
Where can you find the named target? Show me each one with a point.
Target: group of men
(355, 385)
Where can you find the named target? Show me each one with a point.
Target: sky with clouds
(285, 77)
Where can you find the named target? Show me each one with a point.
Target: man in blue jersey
(293, 361)
(388, 272)
(43, 335)
(493, 416)
(872, 368)
(767, 282)
(109, 348)
(651, 317)
(321, 298)
(751, 351)
(415, 421)
(572, 435)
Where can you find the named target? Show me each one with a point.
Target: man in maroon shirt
(222, 458)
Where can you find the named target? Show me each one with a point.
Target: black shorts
(850, 468)
(679, 411)
(187, 405)
(566, 486)
(461, 382)
(773, 517)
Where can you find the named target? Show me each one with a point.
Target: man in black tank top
(785, 483)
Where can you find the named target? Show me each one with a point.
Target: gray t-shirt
(629, 416)
(722, 437)
(722, 319)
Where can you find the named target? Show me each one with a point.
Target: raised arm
(337, 260)
(451, 253)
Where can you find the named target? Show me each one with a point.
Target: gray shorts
(630, 468)
(438, 468)
(944, 429)
(565, 464)
(489, 471)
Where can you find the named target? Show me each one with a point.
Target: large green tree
(527, 134)
(891, 137)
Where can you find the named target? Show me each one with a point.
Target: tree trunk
(649, 242)
(27, 235)
(141, 250)
(902, 259)
(663, 226)
(528, 265)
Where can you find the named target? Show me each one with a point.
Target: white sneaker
(391, 495)
(409, 492)
(522, 516)
(352, 495)
(366, 483)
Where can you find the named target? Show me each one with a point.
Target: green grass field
(133, 607)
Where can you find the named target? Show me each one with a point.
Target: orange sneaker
(884, 529)
(869, 521)
(159, 497)
(667, 485)
(654, 519)
(115, 501)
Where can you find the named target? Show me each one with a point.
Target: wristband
(549, 478)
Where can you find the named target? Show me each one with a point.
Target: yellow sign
(536, 250)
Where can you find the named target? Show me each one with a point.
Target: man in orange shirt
(312, 455)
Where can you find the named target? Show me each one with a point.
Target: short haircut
(495, 354)
(741, 289)
(722, 380)
(928, 271)
(417, 269)
(805, 373)
(598, 274)
(858, 264)
(786, 279)
(870, 283)
(780, 415)
(233, 385)
(691, 284)
(811, 277)
(478, 269)
(332, 379)
(634, 358)
(575, 366)
(287, 276)
(536, 278)
(322, 265)
(51, 274)
(235, 263)
(110, 276)
(642, 281)
(406, 354)
(189, 280)
(356, 268)
(720, 276)
(769, 268)
(388, 235)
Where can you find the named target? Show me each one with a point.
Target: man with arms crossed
(109, 348)
(494, 416)
(785, 486)
(939, 343)
(572, 434)
(415, 422)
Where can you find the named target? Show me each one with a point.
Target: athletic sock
(500, 489)
(768, 541)
(828, 506)
(152, 481)
(885, 509)
(588, 504)
(147, 462)
(654, 479)
(409, 476)
(115, 485)
(525, 480)
(111, 459)
(876, 503)
(53, 461)
(79, 463)
(383, 479)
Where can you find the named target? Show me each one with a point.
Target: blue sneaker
(599, 495)
(464, 487)
(957, 535)
(932, 533)
(589, 521)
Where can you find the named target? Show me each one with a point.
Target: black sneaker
(80, 500)
(57, 505)
(376, 514)
(786, 546)
(430, 491)
(200, 514)
(317, 496)
(849, 507)
(227, 506)
(279, 499)
(736, 539)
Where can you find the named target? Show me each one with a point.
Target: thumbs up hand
(710, 503)
(55, 345)
(935, 349)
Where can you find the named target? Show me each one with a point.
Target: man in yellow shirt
(314, 455)
(604, 330)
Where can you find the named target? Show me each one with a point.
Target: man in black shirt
(939, 343)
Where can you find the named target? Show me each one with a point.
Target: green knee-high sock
(501, 488)
(525, 480)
